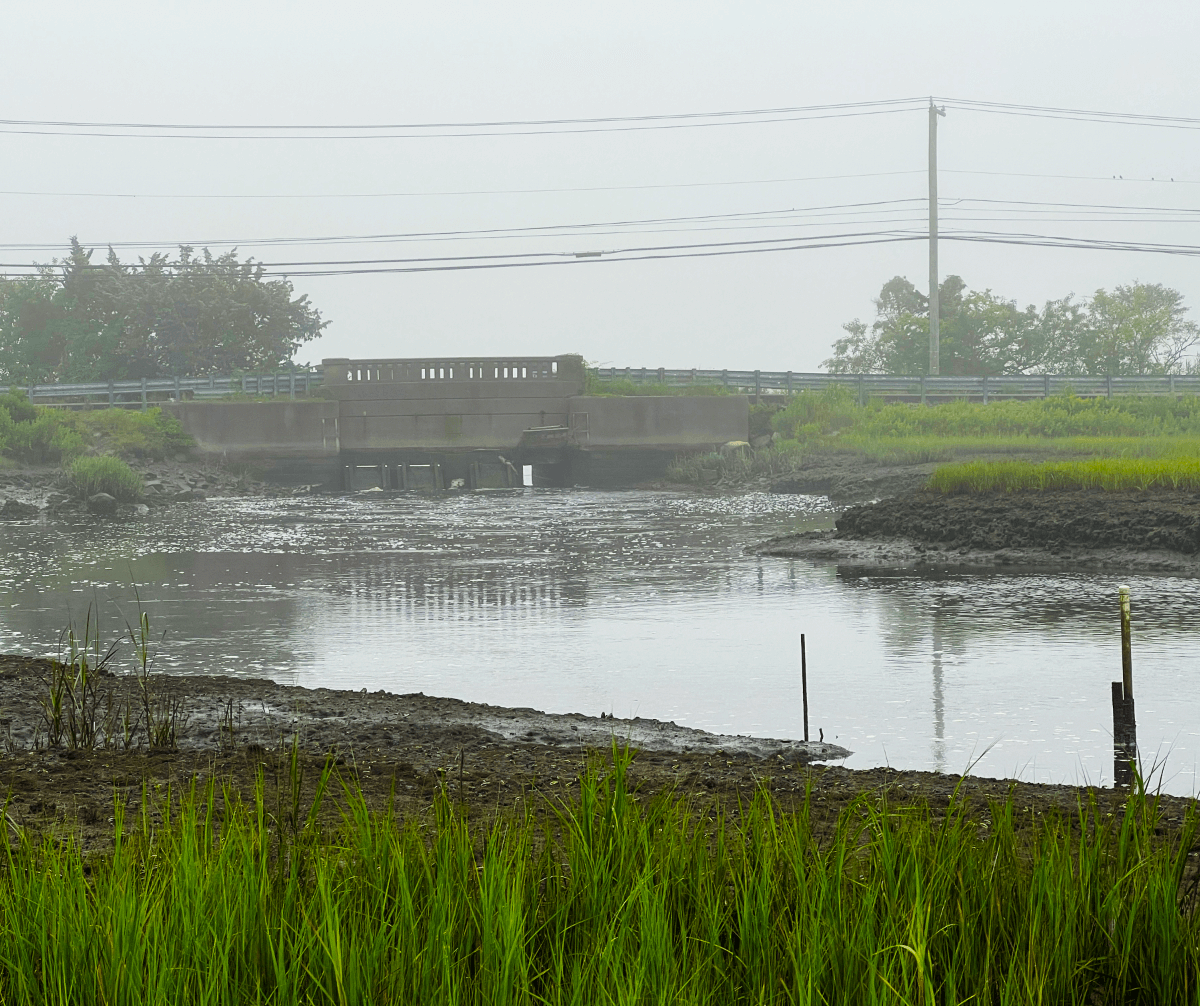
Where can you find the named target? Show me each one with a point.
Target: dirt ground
(409, 749)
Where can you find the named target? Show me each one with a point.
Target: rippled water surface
(634, 603)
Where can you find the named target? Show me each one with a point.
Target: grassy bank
(610, 900)
(1111, 474)
(37, 435)
(832, 423)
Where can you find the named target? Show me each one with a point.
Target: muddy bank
(1156, 530)
(213, 712)
(403, 752)
(844, 478)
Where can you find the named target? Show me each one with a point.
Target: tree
(1137, 329)
(194, 315)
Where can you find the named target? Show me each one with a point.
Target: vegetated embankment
(1130, 513)
(828, 442)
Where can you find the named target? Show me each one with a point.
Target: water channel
(636, 604)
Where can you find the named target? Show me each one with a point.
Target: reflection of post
(1124, 723)
(939, 700)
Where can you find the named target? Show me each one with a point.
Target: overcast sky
(293, 63)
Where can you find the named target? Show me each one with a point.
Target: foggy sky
(353, 63)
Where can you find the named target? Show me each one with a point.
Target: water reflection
(635, 604)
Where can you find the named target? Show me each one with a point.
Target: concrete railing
(788, 382)
(538, 368)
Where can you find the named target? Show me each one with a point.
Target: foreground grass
(1110, 474)
(616, 900)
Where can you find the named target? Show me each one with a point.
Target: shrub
(49, 437)
(89, 476)
(19, 408)
(132, 434)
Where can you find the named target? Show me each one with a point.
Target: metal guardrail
(147, 390)
(789, 382)
(143, 392)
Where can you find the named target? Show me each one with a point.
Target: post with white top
(804, 685)
(1124, 722)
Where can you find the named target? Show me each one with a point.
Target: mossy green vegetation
(612, 899)
(1110, 474)
(91, 475)
(40, 435)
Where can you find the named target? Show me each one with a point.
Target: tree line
(189, 314)
(1141, 328)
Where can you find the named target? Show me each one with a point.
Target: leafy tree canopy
(193, 314)
(1137, 329)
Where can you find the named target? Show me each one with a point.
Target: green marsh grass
(613, 899)
(89, 476)
(1110, 474)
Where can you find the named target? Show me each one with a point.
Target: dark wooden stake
(804, 684)
(1124, 721)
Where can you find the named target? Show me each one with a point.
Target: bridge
(462, 422)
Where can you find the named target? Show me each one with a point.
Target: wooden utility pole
(934, 307)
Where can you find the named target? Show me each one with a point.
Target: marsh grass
(612, 899)
(88, 476)
(1110, 474)
(714, 466)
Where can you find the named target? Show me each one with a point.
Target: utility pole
(934, 307)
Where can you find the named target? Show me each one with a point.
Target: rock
(102, 503)
(709, 476)
(141, 509)
(190, 495)
(16, 510)
(761, 441)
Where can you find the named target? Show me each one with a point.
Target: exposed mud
(404, 750)
(1155, 530)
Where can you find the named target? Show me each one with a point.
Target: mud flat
(1151, 530)
(404, 752)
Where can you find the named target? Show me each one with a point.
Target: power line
(1077, 114)
(693, 121)
(680, 251)
(568, 125)
(848, 208)
(457, 192)
(955, 208)
(424, 194)
(496, 123)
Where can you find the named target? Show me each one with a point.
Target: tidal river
(634, 604)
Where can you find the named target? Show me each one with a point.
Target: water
(632, 603)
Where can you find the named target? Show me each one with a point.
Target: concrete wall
(666, 423)
(449, 404)
(281, 428)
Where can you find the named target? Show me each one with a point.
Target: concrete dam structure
(443, 423)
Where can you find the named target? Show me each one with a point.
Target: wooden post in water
(1124, 722)
(804, 684)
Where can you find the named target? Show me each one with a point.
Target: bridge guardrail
(143, 392)
(915, 387)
